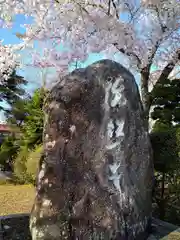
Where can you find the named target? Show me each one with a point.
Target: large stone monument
(95, 177)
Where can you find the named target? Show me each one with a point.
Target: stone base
(164, 231)
(15, 227)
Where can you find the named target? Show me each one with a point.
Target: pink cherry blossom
(87, 26)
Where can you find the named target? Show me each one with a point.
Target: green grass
(16, 199)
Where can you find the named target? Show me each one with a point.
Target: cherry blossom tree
(147, 32)
(7, 62)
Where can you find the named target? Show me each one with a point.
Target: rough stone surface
(95, 179)
(15, 227)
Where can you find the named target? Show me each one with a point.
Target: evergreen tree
(166, 101)
(164, 136)
(33, 124)
(12, 89)
(26, 120)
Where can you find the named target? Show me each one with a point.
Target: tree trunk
(162, 185)
(145, 94)
(162, 200)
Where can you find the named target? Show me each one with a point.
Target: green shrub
(165, 148)
(33, 162)
(20, 174)
(26, 165)
(4, 181)
(8, 151)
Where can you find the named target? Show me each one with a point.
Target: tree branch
(175, 75)
(114, 5)
(166, 71)
(163, 27)
(169, 67)
(146, 71)
(132, 14)
(130, 54)
(109, 7)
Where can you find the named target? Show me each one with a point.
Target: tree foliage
(145, 32)
(26, 119)
(166, 101)
(12, 89)
(20, 165)
(8, 60)
(165, 148)
(33, 124)
(8, 151)
(32, 163)
(165, 139)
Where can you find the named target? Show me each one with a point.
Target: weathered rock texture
(15, 227)
(95, 180)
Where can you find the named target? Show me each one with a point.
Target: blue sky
(30, 73)
(9, 34)
(10, 38)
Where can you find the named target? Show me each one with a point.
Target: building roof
(4, 128)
